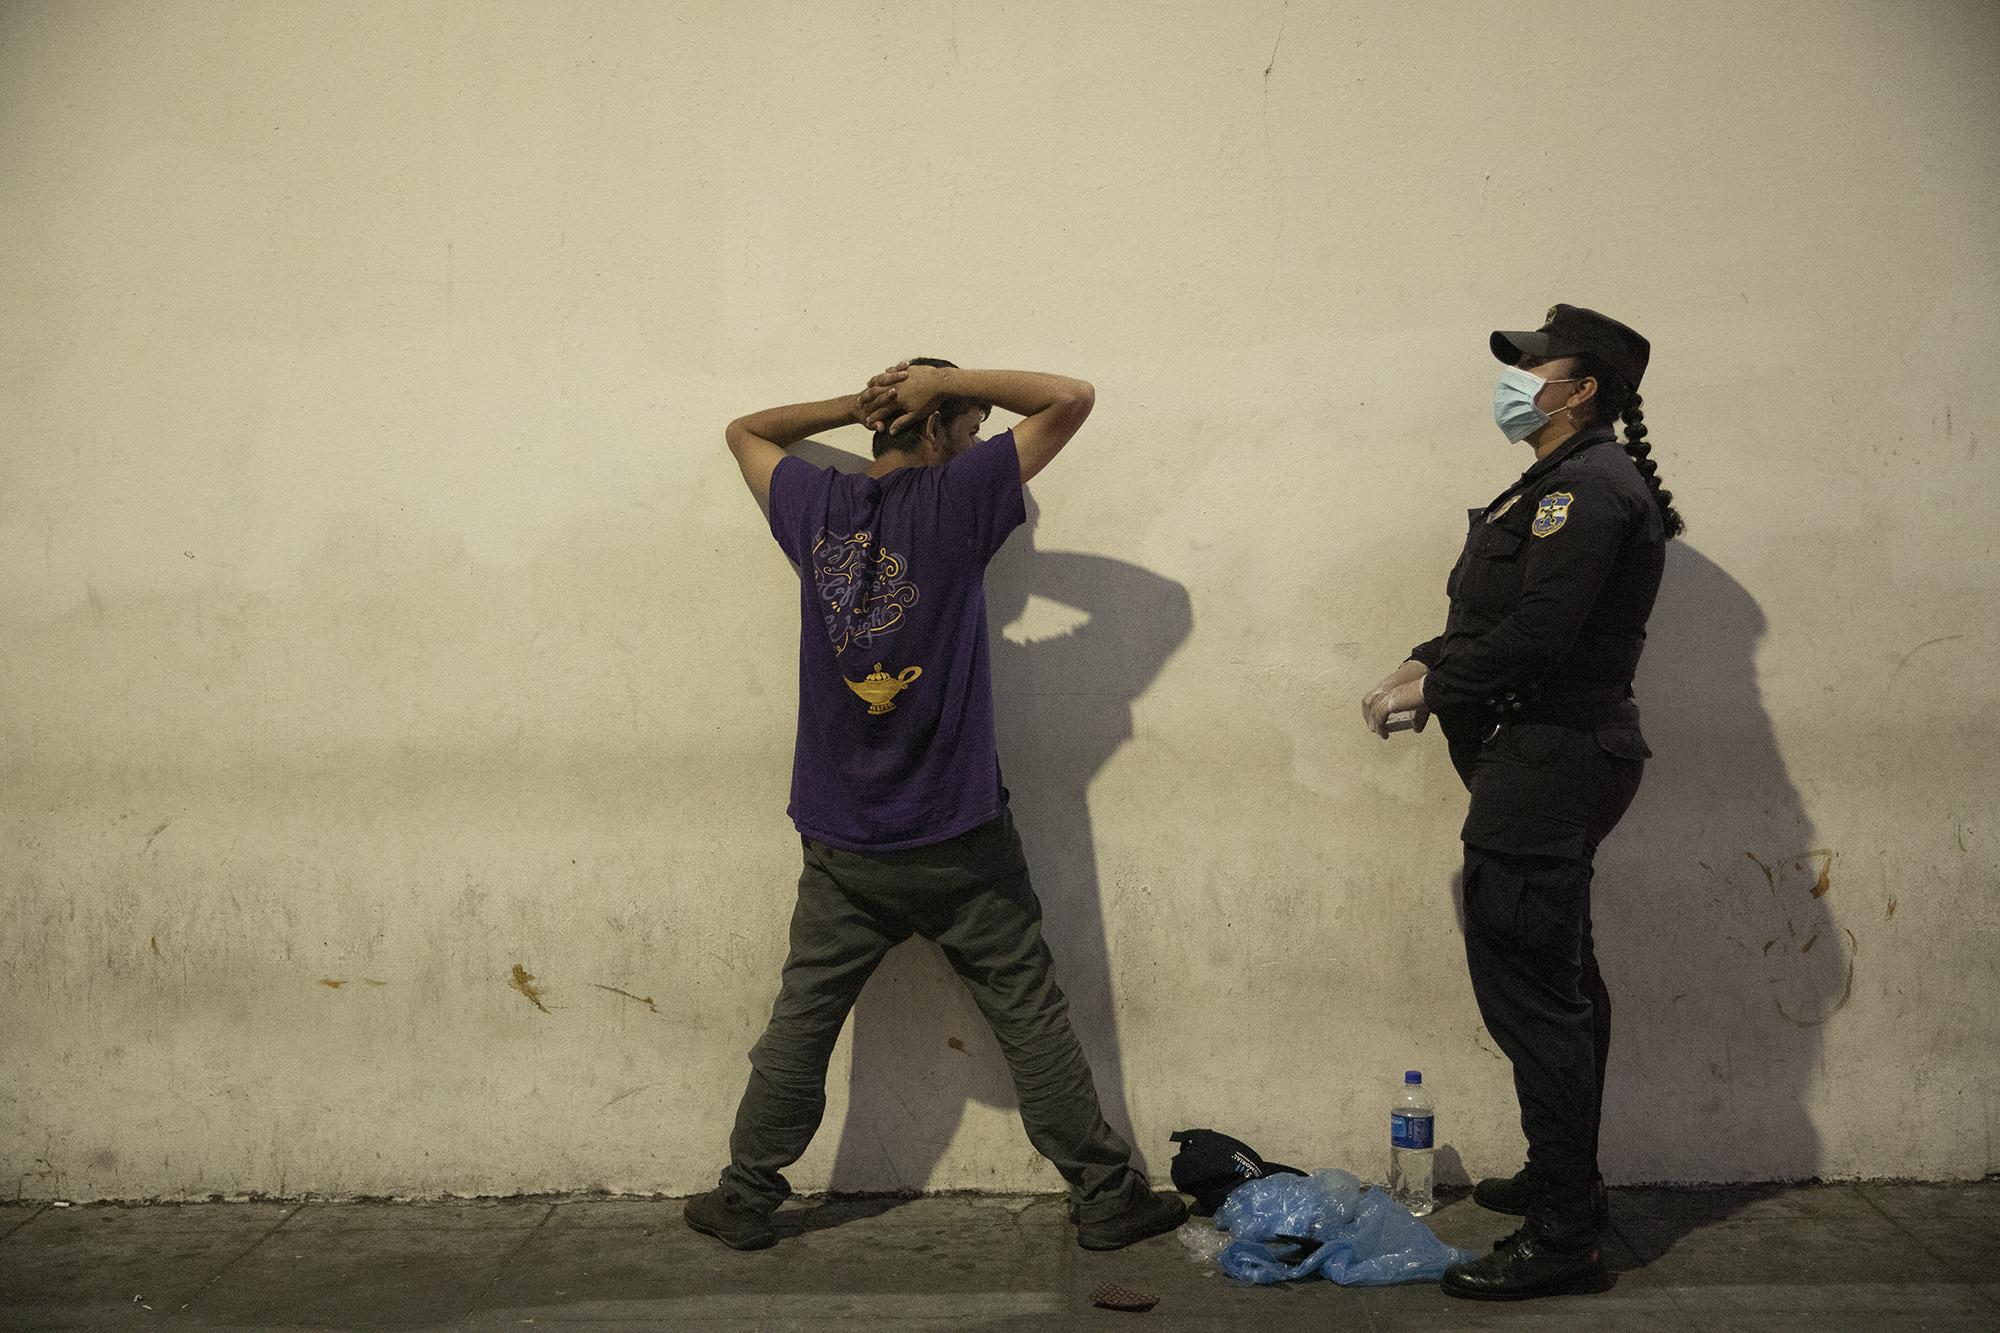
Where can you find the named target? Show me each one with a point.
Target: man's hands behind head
(898, 396)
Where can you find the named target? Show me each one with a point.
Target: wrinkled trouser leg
(1534, 972)
(993, 940)
(837, 941)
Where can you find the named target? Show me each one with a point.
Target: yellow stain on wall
(524, 982)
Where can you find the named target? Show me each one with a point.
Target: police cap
(1570, 330)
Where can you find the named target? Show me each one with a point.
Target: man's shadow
(1714, 917)
(921, 1051)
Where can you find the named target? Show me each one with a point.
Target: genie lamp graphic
(880, 688)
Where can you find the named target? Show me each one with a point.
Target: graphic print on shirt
(864, 592)
(880, 688)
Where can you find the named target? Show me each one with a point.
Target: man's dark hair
(911, 436)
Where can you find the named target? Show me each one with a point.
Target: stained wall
(396, 681)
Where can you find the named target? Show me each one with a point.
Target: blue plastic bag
(1359, 1238)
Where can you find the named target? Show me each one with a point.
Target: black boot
(1526, 1265)
(1515, 1194)
(1505, 1194)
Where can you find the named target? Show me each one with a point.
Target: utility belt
(1585, 708)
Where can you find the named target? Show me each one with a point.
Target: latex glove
(1401, 691)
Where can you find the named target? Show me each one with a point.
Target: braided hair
(1617, 401)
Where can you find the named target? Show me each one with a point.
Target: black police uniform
(1531, 683)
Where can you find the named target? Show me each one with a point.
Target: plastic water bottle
(1412, 1121)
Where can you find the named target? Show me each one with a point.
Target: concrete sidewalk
(1824, 1257)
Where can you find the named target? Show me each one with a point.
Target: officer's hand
(1402, 691)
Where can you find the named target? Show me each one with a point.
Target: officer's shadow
(921, 1051)
(1714, 906)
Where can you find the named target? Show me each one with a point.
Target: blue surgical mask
(1514, 410)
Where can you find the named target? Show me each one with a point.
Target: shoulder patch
(1551, 513)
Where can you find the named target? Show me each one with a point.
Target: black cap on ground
(1209, 1165)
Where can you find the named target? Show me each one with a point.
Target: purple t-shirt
(895, 742)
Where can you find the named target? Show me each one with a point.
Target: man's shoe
(1151, 1214)
(1524, 1266)
(735, 1224)
(1514, 1194)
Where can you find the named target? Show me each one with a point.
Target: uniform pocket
(1498, 543)
(1491, 567)
(1492, 895)
(1623, 742)
(1535, 904)
(1536, 744)
(1474, 518)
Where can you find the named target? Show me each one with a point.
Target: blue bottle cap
(1413, 1076)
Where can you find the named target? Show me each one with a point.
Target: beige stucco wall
(382, 619)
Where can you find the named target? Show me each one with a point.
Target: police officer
(1531, 682)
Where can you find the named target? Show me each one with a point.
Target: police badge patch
(1551, 514)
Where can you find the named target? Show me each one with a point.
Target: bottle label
(1410, 1131)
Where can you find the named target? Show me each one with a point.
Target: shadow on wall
(921, 1050)
(1713, 908)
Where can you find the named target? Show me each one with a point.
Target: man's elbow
(734, 435)
(1075, 404)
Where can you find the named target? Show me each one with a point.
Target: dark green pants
(972, 896)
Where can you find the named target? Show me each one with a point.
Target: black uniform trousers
(1544, 794)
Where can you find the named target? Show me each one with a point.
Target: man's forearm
(1024, 392)
(786, 426)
